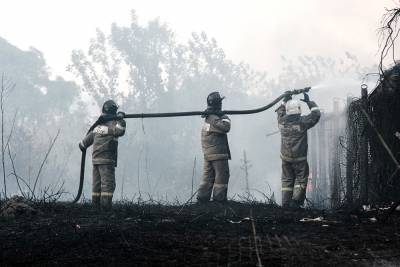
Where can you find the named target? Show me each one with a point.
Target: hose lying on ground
(179, 114)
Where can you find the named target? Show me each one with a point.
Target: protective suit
(294, 147)
(214, 141)
(104, 139)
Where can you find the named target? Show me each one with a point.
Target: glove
(121, 115)
(306, 98)
(102, 130)
(287, 98)
(81, 147)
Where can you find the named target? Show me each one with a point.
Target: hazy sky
(255, 31)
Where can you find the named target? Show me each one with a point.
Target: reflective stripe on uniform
(101, 130)
(205, 183)
(221, 186)
(314, 108)
(206, 127)
(107, 194)
(293, 159)
(299, 186)
(96, 194)
(287, 189)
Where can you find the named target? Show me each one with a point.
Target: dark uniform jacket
(214, 139)
(293, 130)
(105, 142)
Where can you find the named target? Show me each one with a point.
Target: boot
(296, 204)
(96, 201)
(106, 203)
(286, 198)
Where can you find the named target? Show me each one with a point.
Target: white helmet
(293, 107)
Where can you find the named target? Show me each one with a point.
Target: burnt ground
(207, 235)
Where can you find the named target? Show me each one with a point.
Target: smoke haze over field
(151, 65)
(257, 32)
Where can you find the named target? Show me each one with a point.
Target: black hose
(179, 114)
(82, 177)
(229, 112)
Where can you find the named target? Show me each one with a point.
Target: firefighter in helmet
(216, 152)
(104, 138)
(293, 127)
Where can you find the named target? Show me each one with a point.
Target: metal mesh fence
(363, 149)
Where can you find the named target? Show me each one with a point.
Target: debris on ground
(16, 206)
(201, 235)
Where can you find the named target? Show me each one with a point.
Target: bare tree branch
(44, 161)
(6, 87)
(389, 33)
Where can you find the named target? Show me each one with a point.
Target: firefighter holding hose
(214, 141)
(294, 145)
(104, 138)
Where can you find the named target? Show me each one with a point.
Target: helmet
(293, 107)
(110, 107)
(214, 100)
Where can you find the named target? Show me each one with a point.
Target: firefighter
(294, 146)
(214, 141)
(104, 138)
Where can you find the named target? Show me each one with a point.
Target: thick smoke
(147, 70)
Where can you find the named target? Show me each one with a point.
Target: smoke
(339, 88)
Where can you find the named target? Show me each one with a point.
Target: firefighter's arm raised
(281, 111)
(311, 119)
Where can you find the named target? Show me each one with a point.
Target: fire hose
(179, 114)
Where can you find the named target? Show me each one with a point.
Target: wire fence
(354, 159)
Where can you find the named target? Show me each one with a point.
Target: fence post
(322, 160)
(349, 153)
(335, 194)
(364, 150)
(314, 144)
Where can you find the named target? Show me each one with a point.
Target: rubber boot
(296, 204)
(106, 203)
(96, 201)
(286, 198)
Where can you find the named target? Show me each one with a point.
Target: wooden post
(364, 149)
(349, 154)
(314, 164)
(322, 159)
(335, 164)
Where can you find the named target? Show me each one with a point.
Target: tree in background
(37, 108)
(145, 69)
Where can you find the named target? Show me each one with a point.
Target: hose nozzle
(300, 91)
